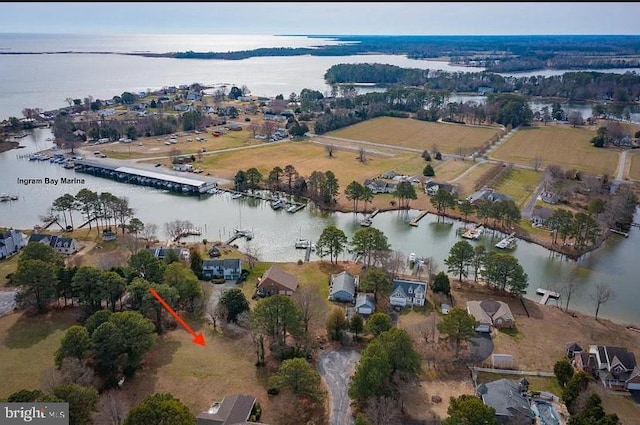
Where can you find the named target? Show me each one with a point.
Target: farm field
(416, 134)
(519, 185)
(450, 169)
(566, 147)
(466, 182)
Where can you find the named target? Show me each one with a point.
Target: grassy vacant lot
(28, 345)
(634, 169)
(564, 146)
(467, 182)
(418, 134)
(145, 147)
(520, 185)
(450, 169)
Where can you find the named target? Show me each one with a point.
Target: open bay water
(46, 80)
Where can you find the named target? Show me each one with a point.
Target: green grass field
(566, 147)
(7, 266)
(634, 169)
(520, 185)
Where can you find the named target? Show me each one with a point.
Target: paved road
(335, 367)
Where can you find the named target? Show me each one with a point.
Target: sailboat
(247, 233)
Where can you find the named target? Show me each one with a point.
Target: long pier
(292, 206)
(416, 219)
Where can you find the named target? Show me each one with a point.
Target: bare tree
(362, 155)
(176, 228)
(112, 408)
(430, 267)
(132, 243)
(311, 306)
(330, 148)
(537, 162)
(150, 231)
(434, 149)
(567, 288)
(245, 90)
(268, 128)
(382, 411)
(252, 253)
(253, 127)
(395, 263)
(601, 294)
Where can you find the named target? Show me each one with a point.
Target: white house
(616, 367)
(11, 242)
(61, 244)
(183, 167)
(408, 293)
(229, 269)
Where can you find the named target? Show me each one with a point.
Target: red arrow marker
(197, 339)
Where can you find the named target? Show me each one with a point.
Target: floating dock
(546, 294)
(619, 232)
(416, 219)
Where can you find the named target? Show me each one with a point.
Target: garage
(483, 328)
(635, 385)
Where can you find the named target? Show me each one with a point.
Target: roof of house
(488, 310)
(402, 287)
(572, 346)
(344, 281)
(613, 354)
(275, 275)
(363, 300)
(504, 395)
(227, 263)
(53, 240)
(543, 213)
(233, 410)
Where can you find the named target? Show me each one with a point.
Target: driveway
(481, 347)
(335, 368)
(7, 301)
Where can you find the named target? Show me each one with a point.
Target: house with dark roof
(572, 348)
(342, 287)
(227, 269)
(11, 242)
(549, 197)
(508, 399)
(615, 367)
(540, 215)
(61, 244)
(408, 293)
(365, 304)
(161, 252)
(431, 187)
(486, 194)
(380, 186)
(277, 281)
(237, 409)
(490, 313)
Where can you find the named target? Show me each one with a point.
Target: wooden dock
(416, 219)
(618, 232)
(546, 294)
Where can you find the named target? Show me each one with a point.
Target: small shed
(502, 361)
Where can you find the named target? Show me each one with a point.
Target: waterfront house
(549, 198)
(486, 194)
(277, 281)
(228, 269)
(509, 401)
(342, 287)
(572, 348)
(540, 215)
(11, 242)
(379, 186)
(584, 361)
(431, 188)
(490, 313)
(615, 367)
(365, 304)
(61, 244)
(161, 252)
(408, 293)
(237, 409)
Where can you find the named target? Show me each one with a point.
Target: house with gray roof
(237, 409)
(615, 367)
(380, 186)
(365, 304)
(408, 293)
(540, 215)
(486, 194)
(342, 287)
(508, 399)
(61, 244)
(11, 242)
(490, 313)
(161, 252)
(431, 187)
(227, 269)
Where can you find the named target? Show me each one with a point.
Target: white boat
(248, 234)
(276, 204)
(366, 222)
(302, 243)
(507, 243)
(236, 196)
(412, 257)
(292, 208)
(4, 197)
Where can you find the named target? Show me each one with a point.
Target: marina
(145, 177)
(507, 243)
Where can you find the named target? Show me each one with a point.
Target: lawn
(416, 134)
(467, 182)
(28, 345)
(7, 266)
(519, 185)
(634, 169)
(536, 383)
(566, 147)
(450, 169)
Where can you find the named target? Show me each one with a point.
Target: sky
(322, 18)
